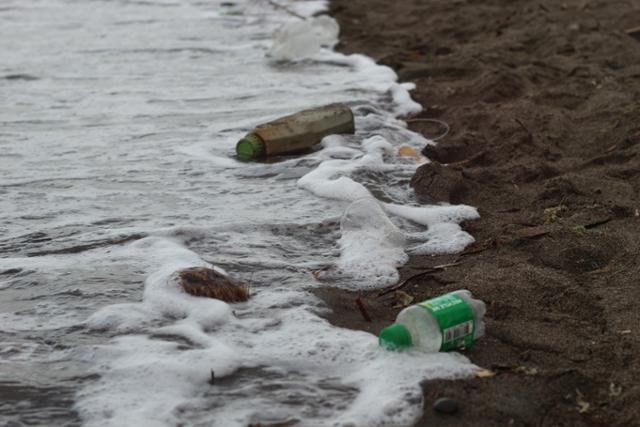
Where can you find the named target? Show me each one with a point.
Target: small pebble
(445, 405)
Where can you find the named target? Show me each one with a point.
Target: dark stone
(445, 405)
(440, 183)
(457, 148)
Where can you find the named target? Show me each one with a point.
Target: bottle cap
(250, 147)
(395, 337)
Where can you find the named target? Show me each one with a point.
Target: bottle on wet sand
(448, 322)
(296, 132)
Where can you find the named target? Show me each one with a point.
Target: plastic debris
(411, 153)
(302, 39)
(451, 321)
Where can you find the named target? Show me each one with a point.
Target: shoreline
(541, 101)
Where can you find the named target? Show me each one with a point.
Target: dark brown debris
(206, 282)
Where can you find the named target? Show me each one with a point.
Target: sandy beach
(542, 103)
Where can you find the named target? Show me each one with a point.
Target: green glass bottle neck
(250, 147)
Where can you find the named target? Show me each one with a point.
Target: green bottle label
(455, 318)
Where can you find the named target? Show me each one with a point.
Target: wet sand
(543, 103)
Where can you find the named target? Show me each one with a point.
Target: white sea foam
(441, 238)
(131, 127)
(432, 215)
(278, 329)
(372, 246)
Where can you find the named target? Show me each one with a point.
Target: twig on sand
(476, 250)
(530, 135)
(363, 310)
(286, 9)
(422, 273)
(634, 32)
(471, 160)
(598, 223)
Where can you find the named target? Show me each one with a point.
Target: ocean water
(119, 120)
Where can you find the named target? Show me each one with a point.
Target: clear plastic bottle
(450, 321)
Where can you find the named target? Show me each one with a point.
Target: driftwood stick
(363, 310)
(422, 273)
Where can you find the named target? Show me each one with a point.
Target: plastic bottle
(448, 322)
(295, 133)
